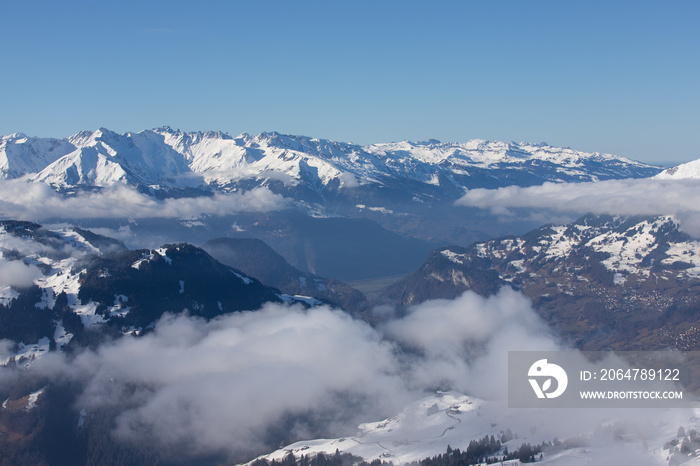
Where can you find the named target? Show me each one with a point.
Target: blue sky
(611, 76)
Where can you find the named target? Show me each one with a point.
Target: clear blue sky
(610, 76)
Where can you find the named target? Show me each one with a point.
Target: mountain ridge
(603, 282)
(70, 282)
(255, 258)
(170, 158)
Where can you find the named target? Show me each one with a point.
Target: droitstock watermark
(603, 379)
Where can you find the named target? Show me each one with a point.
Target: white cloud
(646, 196)
(624, 197)
(222, 386)
(36, 201)
(219, 385)
(17, 274)
(464, 342)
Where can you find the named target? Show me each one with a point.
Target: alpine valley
(257, 298)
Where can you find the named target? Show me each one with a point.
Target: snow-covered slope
(222, 159)
(424, 428)
(104, 158)
(173, 159)
(50, 261)
(21, 155)
(627, 248)
(427, 427)
(686, 170)
(623, 251)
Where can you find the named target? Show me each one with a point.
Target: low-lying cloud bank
(227, 384)
(647, 196)
(35, 201)
(239, 384)
(624, 197)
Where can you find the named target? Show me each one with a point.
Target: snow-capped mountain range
(166, 158)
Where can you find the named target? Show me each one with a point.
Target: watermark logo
(603, 379)
(542, 370)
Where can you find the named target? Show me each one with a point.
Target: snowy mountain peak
(429, 142)
(20, 154)
(85, 138)
(168, 131)
(105, 158)
(15, 137)
(310, 146)
(686, 170)
(244, 137)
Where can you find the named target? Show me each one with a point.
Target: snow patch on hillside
(453, 256)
